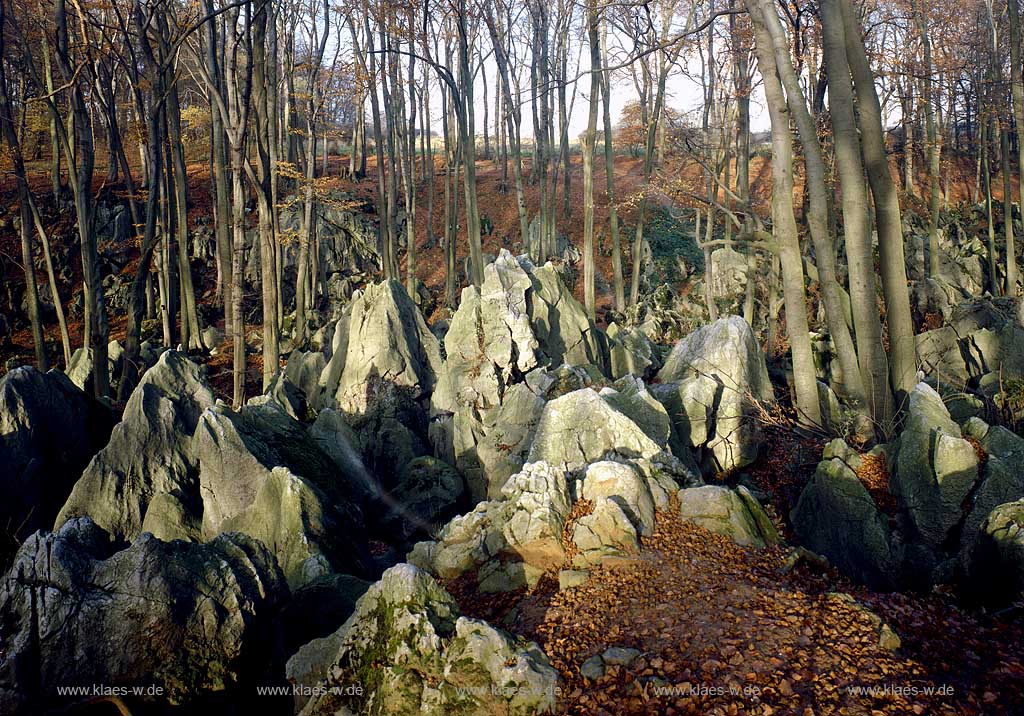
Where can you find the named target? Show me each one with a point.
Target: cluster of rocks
(204, 545)
(954, 513)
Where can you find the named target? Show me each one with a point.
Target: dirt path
(722, 631)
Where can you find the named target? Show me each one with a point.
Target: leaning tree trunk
(902, 349)
(861, 270)
(873, 364)
(784, 224)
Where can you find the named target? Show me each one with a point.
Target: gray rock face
(729, 274)
(630, 397)
(489, 446)
(980, 342)
(196, 620)
(539, 503)
(149, 452)
(413, 654)
(514, 539)
(631, 352)
(734, 513)
(49, 430)
(303, 371)
(427, 494)
(836, 517)
(1002, 479)
(583, 427)
(935, 467)
(502, 342)
(259, 473)
(388, 342)
(727, 353)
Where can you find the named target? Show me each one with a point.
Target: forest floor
(721, 629)
(725, 630)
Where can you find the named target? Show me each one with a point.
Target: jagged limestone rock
(622, 484)
(631, 352)
(630, 397)
(935, 467)
(260, 473)
(149, 451)
(412, 653)
(733, 513)
(384, 340)
(539, 503)
(197, 620)
(504, 341)
(582, 427)
(1002, 478)
(836, 517)
(606, 534)
(49, 430)
(727, 353)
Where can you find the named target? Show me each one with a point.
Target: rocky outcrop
(180, 467)
(837, 517)
(507, 338)
(148, 453)
(726, 353)
(980, 346)
(935, 467)
(384, 341)
(49, 430)
(1002, 477)
(631, 352)
(196, 621)
(513, 540)
(260, 473)
(583, 427)
(411, 653)
(734, 513)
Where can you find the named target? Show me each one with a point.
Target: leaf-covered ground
(728, 630)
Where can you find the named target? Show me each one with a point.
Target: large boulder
(1002, 477)
(726, 352)
(49, 430)
(508, 335)
(149, 452)
(260, 473)
(192, 623)
(935, 467)
(539, 503)
(584, 427)
(734, 513)
(490, 445)
(631, 352)
(410, 652)
(511, 541)
(837, 517)
(729, 271)
(385, 341)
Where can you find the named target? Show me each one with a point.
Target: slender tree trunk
(902, 349)
(609, 171)
(589, 139)
(1017, 87)
(784, 226)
